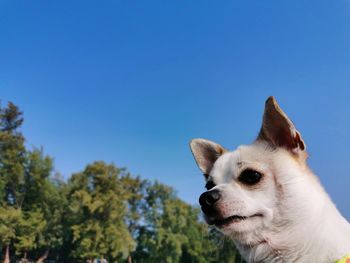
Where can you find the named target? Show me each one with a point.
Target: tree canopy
(102, 212)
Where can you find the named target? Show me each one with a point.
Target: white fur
(299, 222)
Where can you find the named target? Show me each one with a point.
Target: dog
(265, 197)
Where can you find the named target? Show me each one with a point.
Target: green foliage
(29, 231)
(101, 212)
(12, 156)
(12, 183)
(44, 198)
(97, 210)
(9, 219)
(172, 231)
(30, 204)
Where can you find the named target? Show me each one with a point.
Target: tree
(172, 231)
(43, 203)
(9, 220)
(29, 230)
(30, 204)
(102, 211)
(12, 158)
(97, 213)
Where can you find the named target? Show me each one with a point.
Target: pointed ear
(206, 153)
(278, 129)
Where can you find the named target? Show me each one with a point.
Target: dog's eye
(249, 177)
(209, 185)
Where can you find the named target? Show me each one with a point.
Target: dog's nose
(209, 198)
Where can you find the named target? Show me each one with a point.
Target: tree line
(101, 212)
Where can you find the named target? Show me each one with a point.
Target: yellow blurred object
(345, 259)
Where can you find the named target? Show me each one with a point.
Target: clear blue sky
(132, 82)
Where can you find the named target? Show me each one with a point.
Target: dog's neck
(314, 232)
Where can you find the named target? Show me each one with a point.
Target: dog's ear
(206, 153)
(278, 129)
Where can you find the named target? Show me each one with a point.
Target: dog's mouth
(222, 222)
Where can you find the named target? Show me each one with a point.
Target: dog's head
(249, 190)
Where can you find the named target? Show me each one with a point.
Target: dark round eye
(249, 177)
(209, 185)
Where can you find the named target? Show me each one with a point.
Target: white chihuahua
(267, 200)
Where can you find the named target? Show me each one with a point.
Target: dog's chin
(236, 223)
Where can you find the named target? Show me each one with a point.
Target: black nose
(209, 198)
